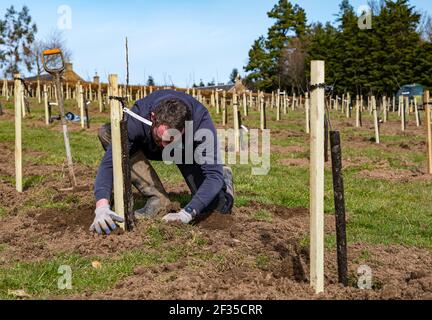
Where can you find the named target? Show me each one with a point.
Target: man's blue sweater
(140, 138)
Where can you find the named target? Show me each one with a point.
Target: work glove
(105, 220)
(181, 216)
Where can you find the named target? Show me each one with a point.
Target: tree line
(396, 50)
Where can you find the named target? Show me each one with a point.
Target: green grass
(380, 211)
(262, 261)
(40, 279)
(263, 215)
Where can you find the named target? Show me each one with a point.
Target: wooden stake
(293, 102)
(348, 103)
(357, 113)
(116, 117)
(217, 102)
(263, 121)
(67, 91)
(100, 98)
(23, 109)
(236, 122)
(384, 109)
(47, 114)
(278, 113)
(429, 131)
(224, 109)
(417, 115)
(81, 105)
(38, 92)
(402, 114)
(245, 106)
(376, 124)
(18, 137)
(317, 178)
(272, 100)
(307, 111)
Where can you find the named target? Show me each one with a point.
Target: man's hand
(181, 216)
(104, 220)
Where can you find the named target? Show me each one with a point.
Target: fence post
(307, 111)
(417, 115)
(81, 105)
(384, 109)
(278, 113)
(263, 120)
(116, 117)
(224, 109)
(402, 113)
(217, 102)
(348, 104)
(18, 134)
(317, 178)
(245, 106)
(100, 98)
(376, 124)
(236, 122)
(429, 130)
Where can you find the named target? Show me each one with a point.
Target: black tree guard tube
(326, 138)
(339, 200)
(87, 116)
(50, 119)
(127, 184)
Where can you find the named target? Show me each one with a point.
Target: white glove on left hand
(181, 216)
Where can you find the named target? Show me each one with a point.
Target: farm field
(258, 252)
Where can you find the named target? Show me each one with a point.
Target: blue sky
(170, 40)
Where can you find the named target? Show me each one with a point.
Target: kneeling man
(179, 122)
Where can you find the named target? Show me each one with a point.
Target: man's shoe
(228, 178)
(154, 207)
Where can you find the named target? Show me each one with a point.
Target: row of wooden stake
(315, 114)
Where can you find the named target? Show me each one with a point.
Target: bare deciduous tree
(425, 26)
(293, 64)
(55, 39)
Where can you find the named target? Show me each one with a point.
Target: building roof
(238, 86)
(68, 75)
(225, 87)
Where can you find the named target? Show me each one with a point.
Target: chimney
(68, 66)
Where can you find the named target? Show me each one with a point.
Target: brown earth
(399, 272)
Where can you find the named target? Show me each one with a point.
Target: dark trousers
(192, 174)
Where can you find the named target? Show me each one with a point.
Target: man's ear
(153, 117)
